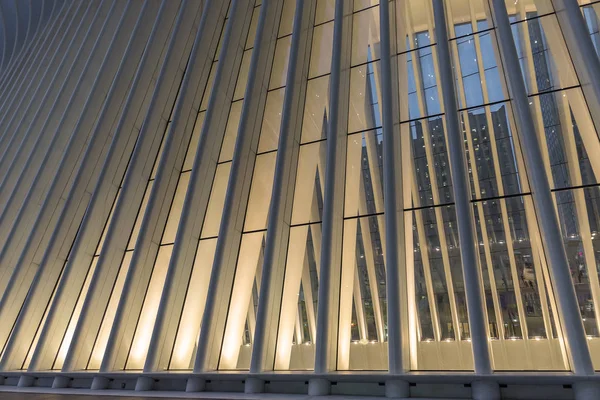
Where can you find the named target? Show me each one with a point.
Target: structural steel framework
(301, 196)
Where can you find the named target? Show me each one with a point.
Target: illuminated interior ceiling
(301, 196)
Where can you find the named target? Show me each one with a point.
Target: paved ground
(45, 396)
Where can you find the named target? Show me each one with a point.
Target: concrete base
(485, 390)
(586, 390)
(100, 383)
(254, 385)
(26, 381)
(195, 385)
(319, 387)
(397, 389)
(144, 384)
(61, 382)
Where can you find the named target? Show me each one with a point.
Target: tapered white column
(215, 322)
(197, 196)
(568, 308)
(10, 89)
(43, 28)
(165, 185)
(71, 32)
(56, 170)
(22, 168)
(101, 195)
(132, 193)
(464, 212)
(24, 79)
(333, 199)
(396, 284)
(280, 209)
(51, 217)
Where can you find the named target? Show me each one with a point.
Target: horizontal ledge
(512, 377)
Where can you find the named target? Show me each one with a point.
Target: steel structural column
(197, 195)
(56, 170)
(333, 200)
(45, 156)
(164, 188)
(280, 208)
(395, 262)
(37, 57)
(464, 212)
(15, 74)
(164, 335)
(568, 308)
(50, 82)
(215, 318)
(168, 58)
(22, 280)
(131, 196)
(202, 172)
(14, 130)
(36, 141)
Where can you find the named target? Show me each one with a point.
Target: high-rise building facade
(375, 197)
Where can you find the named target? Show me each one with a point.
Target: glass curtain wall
(236, 349)
(363, 305)
(297, 321)
(567, 134)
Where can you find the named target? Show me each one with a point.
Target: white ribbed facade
(301, 196)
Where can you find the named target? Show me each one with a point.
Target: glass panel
(109, 315)
(419, 93)
(191, 153)
(578, 217)
(479, 81)
(322, 48)
(231, 131)
(590, 13)
(140, 217)
(252, 31)
(414, 24)
(209, 85)
(362, 296)
(260, 192)
(143, 332)
(363, 107)
(466, 17)
(325, 11)
(428, 175)
(362, 4)
(287, 18)
(365, 33)
(184, 350)
(567, 139)
(316, 109)
(241, 316)
(297, 321)
(66, 342)
(269, 134)
(240, 87)
(524, 9)
(364, 174)
(543, 54)
(280, 63)
(434, 262)
(492, 151)
(176, 208)
(212, 220)
(308, 194)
